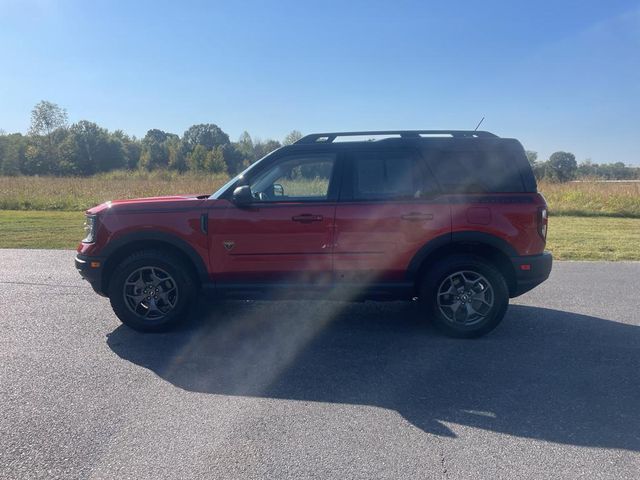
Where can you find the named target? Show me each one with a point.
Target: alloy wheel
(150, 293)
(465, 298)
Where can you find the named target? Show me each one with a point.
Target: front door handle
(307, 218)
(416, 216)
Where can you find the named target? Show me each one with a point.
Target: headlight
(90, 225)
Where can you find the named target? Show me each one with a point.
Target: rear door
(388, 209)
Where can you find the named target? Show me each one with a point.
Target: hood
(149, 204)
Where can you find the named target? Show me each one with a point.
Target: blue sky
(558, 75)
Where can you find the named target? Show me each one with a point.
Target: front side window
(295, 178)
(388, 176)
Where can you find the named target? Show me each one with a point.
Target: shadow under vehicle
(571, 379)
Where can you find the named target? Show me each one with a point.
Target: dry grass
(588, 199)
(75, 193)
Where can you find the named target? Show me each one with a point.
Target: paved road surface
(318, 390)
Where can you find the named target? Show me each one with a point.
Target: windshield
(235, 179)
(224, 187)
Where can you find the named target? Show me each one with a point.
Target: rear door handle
(416, 216)
(307, 218)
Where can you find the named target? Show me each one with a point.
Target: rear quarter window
(475, 170)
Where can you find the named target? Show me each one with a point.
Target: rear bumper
(531, 271)
(90, 268)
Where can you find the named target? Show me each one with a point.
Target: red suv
(452, 218)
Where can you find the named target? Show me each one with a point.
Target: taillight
(543, 222)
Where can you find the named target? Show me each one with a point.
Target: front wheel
(151, 291)
(465, 295)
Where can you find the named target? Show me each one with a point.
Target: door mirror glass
(242, 195)
(278, 190)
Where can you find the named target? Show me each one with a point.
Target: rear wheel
(151, 291)
(465, 295)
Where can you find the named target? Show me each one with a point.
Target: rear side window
(475, 171)
(388, 175)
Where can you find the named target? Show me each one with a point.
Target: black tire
(173, 295)
(485, 285)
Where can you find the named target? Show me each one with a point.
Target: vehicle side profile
(452, 218)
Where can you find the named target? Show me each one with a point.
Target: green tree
(234, 159)
(69, 158)
(562, 166)
(197, 159)
(154, 136)
(619, 171)
(41, 155)
(47, 117)
(155, 150)
(262, 148)
(292, 137)
(132, 149)
(47, 120)
(532, 157)
(175, 152)
(207, 134)
(89, 149)
(245, 146)
(540, 170)
(215, 161)
(12, 149)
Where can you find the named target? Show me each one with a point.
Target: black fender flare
(451, 239)
(155, 236)
(487, 239)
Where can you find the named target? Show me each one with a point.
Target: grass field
(39, 229)
(594, 238)
(74, 194)
(80, 193)
(589, 221)
(570, 238)
(590, 199)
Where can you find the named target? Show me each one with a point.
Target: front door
(286, 235)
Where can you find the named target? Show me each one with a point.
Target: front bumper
(531, 271)
(90, 269)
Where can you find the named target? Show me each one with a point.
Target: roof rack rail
(330, 137)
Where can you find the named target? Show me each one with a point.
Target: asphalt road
(318, 390)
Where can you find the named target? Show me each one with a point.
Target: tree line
(53, 147)
(563, 167)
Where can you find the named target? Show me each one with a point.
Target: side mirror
(242, 196)
(278, 190)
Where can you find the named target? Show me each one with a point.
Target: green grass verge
(594, 238)
(40, 229)
(570, 238)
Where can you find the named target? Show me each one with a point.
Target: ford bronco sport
(452, 218)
